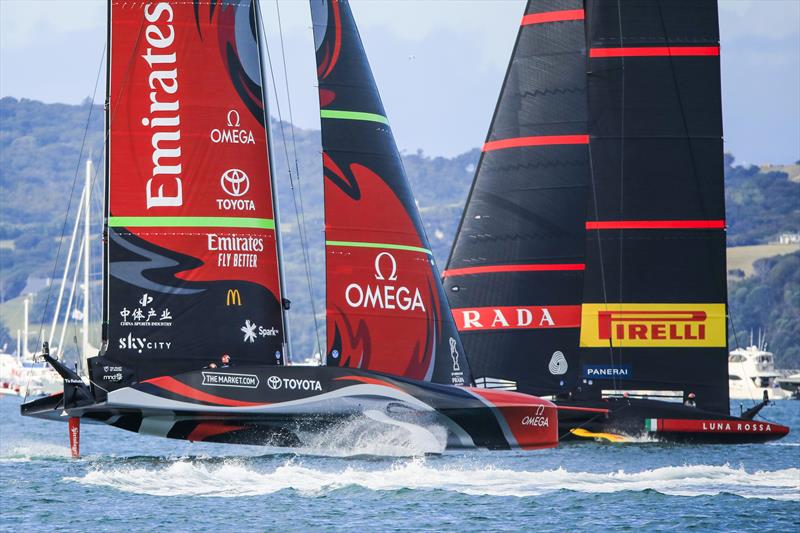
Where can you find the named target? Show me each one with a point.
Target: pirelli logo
(653, 325)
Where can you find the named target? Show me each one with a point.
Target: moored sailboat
(589, 264)
(193, 258)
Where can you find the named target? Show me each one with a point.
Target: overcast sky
(439, 65)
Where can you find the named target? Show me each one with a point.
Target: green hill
(39, 160)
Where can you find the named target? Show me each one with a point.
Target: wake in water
(26, 451)
(238, 478)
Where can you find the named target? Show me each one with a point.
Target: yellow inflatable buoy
(586, 434)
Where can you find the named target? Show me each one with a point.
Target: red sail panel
(193, 263)
(386, 307)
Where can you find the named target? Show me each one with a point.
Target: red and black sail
(515, 273)
(385, 304)
(192, 256)
(654, 313)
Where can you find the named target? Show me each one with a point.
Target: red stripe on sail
(655, 51)
(541, 140)
(173, 385)
(656, 224)
(491, 269)
(517, 317)
(553, 16)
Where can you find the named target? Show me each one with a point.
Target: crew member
(689, 400)
(225, 361)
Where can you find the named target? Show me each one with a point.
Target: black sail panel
(654, 314)
(515, 274)
(386, 308)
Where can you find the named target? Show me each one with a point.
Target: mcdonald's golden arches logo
(233, 297)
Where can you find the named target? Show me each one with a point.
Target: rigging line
(603, 281)
(621, 171)
(306, 259)
(302, 222)
(69, 206)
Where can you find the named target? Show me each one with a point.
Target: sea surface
(360, 480)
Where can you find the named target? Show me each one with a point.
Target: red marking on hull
(542, 140)
(492, 269)
(582, 409)
(533, 421)
(656, 224)
(204, 430)
(748, 427)
(371, 381)
(75, 437)
(655, 51)
(173, 385)
(553, 16)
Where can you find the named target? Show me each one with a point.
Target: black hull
(663, 421)
(296, 406)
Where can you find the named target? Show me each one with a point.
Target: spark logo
(653, 325)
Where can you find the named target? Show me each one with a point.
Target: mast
(287, 342)
(25, 304)
(86, 264)
(106, 188)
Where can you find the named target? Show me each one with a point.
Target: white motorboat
(751, 372)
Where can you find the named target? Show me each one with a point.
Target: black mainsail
(515, 273)
(600, 189)
(654, 309)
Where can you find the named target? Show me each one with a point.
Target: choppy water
(355, 480)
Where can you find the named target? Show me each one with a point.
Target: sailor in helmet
(689, 400)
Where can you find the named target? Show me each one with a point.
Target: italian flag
(651, 424)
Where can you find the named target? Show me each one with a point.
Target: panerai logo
(384, 295)
(165, 187)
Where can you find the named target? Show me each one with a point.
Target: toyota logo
(235, 182)
(274, 382)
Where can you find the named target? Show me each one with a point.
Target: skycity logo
(384, 295)
(142, 344)
(233, 134)
(653, 325)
